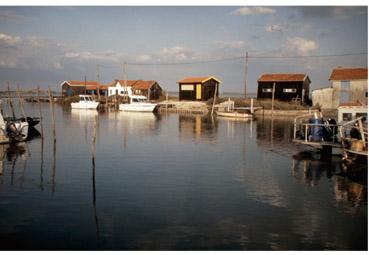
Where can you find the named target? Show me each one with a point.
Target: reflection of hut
(194, 126)
(198, 88)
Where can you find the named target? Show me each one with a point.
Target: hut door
(198, 91)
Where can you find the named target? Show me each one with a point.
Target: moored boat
(85, 102)
(137, 104)
(12, 131)
(234, 114)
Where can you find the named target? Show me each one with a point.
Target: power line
(238, 58)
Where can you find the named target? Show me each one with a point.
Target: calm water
(172, 182)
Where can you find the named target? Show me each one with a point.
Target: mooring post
(215, 94)
(10, 101)
(21, 103)
(52, 113)
(40, 113)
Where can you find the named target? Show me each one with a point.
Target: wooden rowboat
(234, 114)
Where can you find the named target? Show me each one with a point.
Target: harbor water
(175, 182)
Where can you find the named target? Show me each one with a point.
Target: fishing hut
(198, 88)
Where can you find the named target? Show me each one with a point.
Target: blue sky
(46, 45)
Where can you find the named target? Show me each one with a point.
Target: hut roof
(349, 74)
(198, 79)
(283, 77)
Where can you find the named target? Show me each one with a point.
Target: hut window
(187, 87)
(267, 90)
(289, 90)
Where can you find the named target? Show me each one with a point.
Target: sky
(41, 46)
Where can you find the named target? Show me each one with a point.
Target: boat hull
(235, 115)
(137, 107)
(84, 105)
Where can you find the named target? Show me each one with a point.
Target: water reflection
(174, 189)
(309, 170)
(197, 127)
(11, 153)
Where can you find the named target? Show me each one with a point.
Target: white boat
(85, 102)
(13, 131)
(137, 104)
(234, 114)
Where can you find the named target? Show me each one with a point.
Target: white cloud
(85, 56)
(253, 11)
(144, 58)
(8, 39)
(273, 28)
(29, 52)
(231, 44)
(300, 45)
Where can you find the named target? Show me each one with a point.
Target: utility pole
(85, 85)
(98, 80)
(246, 66)
(125, 80)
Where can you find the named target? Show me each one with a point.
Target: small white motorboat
(137, 104)
(85, 102)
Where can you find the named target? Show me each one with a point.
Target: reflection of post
(54, 167)
(271, 131)
(54, 136)
(93, 175)
(42, 165)
(273, 92)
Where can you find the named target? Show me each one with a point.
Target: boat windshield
(138, 100)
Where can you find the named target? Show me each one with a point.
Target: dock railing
(298, 123)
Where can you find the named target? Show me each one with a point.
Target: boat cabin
(351, 110)
(85, 98)
(137, 99)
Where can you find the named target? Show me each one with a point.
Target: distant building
(288, 87)
(73, 88)
(198, 88)
(119, 87)
(149, 89)
(347, 85)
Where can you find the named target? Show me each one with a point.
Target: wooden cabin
(149, 89)
(74, 88)
(288, 87)
(198, 88)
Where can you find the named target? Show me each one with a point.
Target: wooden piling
(21, 106)
(1, 108)
(40, 113)
(215, 95)
(52, 114)
(273, 99)
(10, 101)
